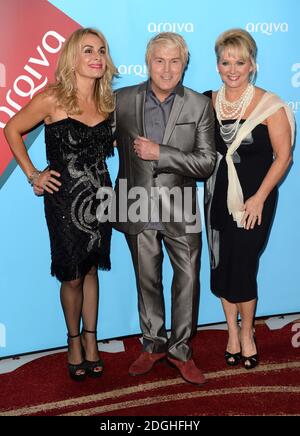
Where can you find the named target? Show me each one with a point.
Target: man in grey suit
(165, 139)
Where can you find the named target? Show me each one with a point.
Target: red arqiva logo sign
(32, 36)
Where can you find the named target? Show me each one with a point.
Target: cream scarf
(268, 105)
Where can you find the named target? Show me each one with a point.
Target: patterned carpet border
(85, 405)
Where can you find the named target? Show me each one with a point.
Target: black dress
(78, 241)
(235, 252)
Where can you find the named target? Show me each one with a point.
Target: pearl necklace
(230, 110)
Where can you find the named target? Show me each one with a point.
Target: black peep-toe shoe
(233, 359)
(77, 372)
(251, 362)
(93, 368)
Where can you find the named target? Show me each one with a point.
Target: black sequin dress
(235, 252)
(78, 241)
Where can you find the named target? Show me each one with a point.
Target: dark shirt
(156, 118)
(157, 115)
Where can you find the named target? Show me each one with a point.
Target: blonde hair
(65, 88)
(169, 39)
(238, 41)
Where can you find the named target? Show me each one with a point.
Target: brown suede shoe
(188, 371)
(145, 362)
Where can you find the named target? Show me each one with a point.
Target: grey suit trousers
(147, 255)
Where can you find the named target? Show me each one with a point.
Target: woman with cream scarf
(254, 137)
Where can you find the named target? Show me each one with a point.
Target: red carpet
(42, 387)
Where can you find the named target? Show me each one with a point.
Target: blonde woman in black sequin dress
(75, 110)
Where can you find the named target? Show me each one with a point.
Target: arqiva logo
(2, 75)
(31, 39)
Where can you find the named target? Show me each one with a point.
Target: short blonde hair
(65, 87)
(240, 42)
(169, 39)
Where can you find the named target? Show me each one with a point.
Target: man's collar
(178, 90)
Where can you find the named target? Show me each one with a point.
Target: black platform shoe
(91, 366)
(78, 371)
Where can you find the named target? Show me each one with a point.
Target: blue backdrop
(30, 314)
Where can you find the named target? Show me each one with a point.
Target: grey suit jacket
(187, 153)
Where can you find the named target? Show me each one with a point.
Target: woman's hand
(46, 181)
(38, 191)
(253, 208)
